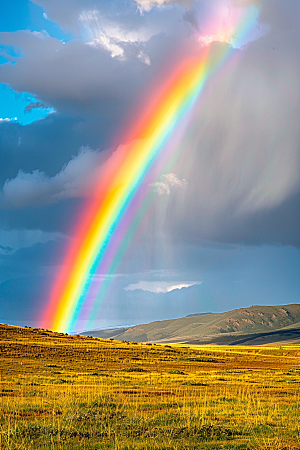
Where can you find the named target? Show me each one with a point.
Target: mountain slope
(241, 324)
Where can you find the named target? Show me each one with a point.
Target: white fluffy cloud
(167, 183)
(147, 5)
(6, 119)
(160, 287)
(114, 37)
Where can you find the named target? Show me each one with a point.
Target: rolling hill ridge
(245, 326)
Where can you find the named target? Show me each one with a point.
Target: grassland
(76, 392)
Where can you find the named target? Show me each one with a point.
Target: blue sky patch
(23, 108)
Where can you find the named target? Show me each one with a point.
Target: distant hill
(255, 325)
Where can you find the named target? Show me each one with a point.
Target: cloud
(114, 37)
(167, 183)
(242, 162)
(245, 3)
(5, 250)
(191, 17)
(36, 145)
(35, 105)
(65, 14)
(232, 22)
(96, 23)
(8, 120)
(76, 78)
(160, 287)
(107, 70)
(147, 5)
(241, 153)
(76, 179)
(13, 240)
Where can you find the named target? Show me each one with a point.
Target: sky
(223, 228)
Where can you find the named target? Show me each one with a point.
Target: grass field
(74, 392)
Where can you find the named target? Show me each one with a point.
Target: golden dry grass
(68, 392)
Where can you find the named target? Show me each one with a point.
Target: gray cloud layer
(240, 162)
(146, 5)
(13, 240)
(76, 179)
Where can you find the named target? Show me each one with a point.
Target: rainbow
(111, 216)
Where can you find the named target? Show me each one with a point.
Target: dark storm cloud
(86, 80)
(242, 165)
(277, 225)
(48, 144)
(76, 179)
(245, 156)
